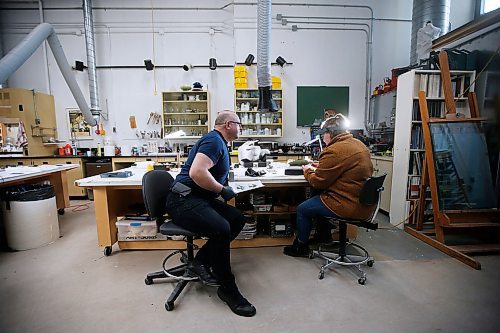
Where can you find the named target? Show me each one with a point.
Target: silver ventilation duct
(18, 56)
(88, 21)
(266, 102)
(2, 84)
(436, 11)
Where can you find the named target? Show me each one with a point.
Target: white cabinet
(383, 165)
(409, 147)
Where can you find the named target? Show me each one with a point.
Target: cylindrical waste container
(30, 216)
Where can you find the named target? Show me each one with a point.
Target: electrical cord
(81, 207)
(403, 221)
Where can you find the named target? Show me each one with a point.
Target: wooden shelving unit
(187, 111)
(258, 124)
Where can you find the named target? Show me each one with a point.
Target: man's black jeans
(211, 218)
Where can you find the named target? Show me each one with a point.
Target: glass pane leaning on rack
(461, 161)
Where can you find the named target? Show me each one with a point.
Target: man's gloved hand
(227, 193)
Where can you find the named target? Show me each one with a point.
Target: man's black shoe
(236, 302)
(297, 249)
(203, 273)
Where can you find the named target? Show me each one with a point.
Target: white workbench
(276, 175)
(14, 174)
(114, 196)
(55, 174)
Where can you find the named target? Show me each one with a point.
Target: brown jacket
(344, 166)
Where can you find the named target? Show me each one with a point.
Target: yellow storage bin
(240, 71)
(276, 82)
(240, 80)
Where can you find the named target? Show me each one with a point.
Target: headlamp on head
(337, 123)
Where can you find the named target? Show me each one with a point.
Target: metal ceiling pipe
(18, 56)
(342, 18)
(266, 102)
(436, 11)
(88, 21)
(44, 51)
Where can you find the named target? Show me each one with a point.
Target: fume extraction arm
(18, 56)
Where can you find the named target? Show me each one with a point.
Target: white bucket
(31, 224)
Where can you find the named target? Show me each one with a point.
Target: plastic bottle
(67, 150)
(98, 149)
(257, 118)
(278, 132)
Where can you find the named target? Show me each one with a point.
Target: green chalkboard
(312, 101)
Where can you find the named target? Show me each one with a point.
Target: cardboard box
(134, 230)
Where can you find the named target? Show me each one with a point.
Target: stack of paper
(249, 231)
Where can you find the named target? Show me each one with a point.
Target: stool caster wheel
(321, 275)
(148, 281)
(362, 281)
(60, 211)
(107, 251)
(370, 263)
(169, 306)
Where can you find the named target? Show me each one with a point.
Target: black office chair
(155, 188)
(369, 195)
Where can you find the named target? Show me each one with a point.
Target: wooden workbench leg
(60, 182)
(105, 216)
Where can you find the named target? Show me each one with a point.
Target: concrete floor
(69, 286)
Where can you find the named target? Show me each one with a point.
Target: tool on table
(117, 174)
(253, 173)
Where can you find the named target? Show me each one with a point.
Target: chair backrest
(370, 193)
(156, 185)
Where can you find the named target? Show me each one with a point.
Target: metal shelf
(258, 111)
(173, 113)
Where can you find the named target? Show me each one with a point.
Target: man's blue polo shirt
(214, 146)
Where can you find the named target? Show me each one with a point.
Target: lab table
(113, 197)
(55, 174)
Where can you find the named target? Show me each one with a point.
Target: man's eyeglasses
(234, 122)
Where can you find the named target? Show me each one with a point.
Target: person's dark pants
(310, 208)
(211, 218)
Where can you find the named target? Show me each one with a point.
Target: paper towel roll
(109, 150)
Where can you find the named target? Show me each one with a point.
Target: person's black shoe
(297, 249)
(203, 273)
(236, 302)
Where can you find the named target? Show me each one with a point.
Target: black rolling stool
(155, 188)
(369, 195)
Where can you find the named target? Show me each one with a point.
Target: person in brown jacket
(343, 167)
